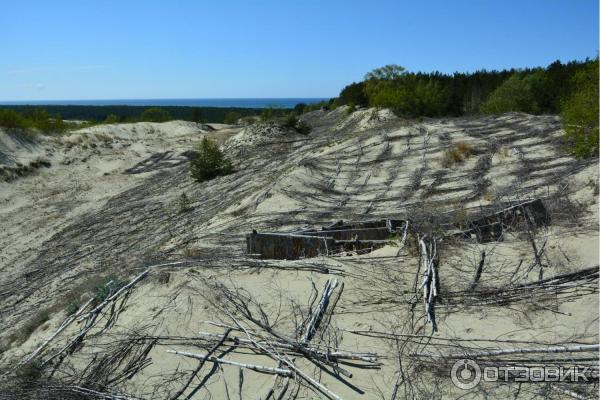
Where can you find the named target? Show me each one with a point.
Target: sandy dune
(105, 202)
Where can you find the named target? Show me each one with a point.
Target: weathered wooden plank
(334, 238)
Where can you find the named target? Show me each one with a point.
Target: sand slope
(107, 204)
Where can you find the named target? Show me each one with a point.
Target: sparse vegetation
(35, 120)
(73, 306)
(30, 326)
(10, 119)
(184, 204)
(350, 109)
(267, 114)
(456, 154)
(322, 105)
(105, 288)
(40, 318)
(209, 162)
(290, 120)
(31, 371)
(163, 277)
(192, 252)
(489, 196)
(232, 117)
(303, 128)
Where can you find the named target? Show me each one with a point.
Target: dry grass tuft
(192, 252)
(457, 154)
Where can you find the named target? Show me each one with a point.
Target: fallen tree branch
(253, 367)
(500, 352)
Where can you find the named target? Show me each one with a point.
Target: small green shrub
(303, 128)
(42, 120)
(267, 114)
(73, 306)
(30, 372)
(231, 117)
(13, 120)
(350, 109)
(164, 277)
(322, 105)
(107, 288)
(209, 162)
(290, 120)
(184, 204)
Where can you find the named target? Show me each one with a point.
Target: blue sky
(310, 48)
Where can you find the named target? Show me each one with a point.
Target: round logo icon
(465, 374)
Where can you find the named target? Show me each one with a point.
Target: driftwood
(430, 284)
(298, 373)
(501, 352)
(567, 285)
(252, 367)
(370, 359)
(280, 347)
(201, 364)
(478, 271)
(318, 314)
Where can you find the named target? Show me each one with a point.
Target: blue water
(243, 103)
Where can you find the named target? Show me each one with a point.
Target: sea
(242, 103)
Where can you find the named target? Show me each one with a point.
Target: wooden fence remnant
(332, 239)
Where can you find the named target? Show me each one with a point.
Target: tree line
(570, 90)
(116, 113)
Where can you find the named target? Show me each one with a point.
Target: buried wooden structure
(367, 235)
(355, 236)
(329, 240)
(491, 227)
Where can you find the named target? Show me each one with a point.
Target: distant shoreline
(129, 113)
(218, 103)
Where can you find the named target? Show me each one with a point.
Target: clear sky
(125, 49)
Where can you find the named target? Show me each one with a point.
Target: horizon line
(175, 98)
